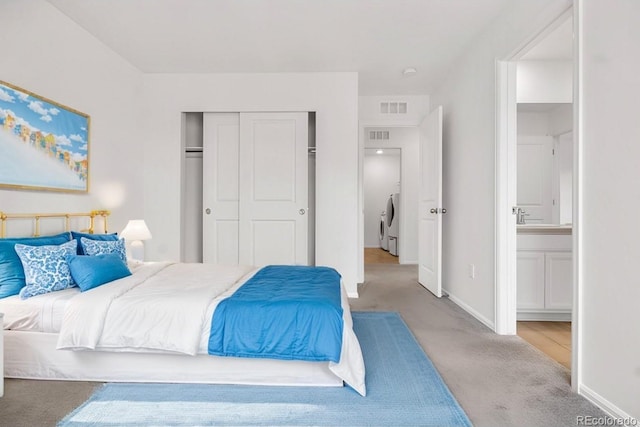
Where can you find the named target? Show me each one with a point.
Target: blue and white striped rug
(403, 389)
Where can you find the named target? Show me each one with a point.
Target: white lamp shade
(136, 229)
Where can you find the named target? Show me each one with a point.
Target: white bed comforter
(167, 308)
(161, 307)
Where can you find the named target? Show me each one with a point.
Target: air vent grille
(393, 108)
(379, 135)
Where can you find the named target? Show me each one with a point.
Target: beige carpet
(498, 380)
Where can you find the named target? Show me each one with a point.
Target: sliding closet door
(220, 190)
(273, 188)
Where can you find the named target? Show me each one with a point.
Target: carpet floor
(403, 389)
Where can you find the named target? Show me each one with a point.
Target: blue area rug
(403, 389)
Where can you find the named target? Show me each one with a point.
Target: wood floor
(378, 256)
(552, 338)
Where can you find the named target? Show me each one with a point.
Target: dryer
(383, 234)
(393, 222)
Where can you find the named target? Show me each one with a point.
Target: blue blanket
(282, 312)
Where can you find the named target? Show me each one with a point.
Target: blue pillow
(92, 271)
(97, 247)
(45, 268)
(102, 237)
(11, 270)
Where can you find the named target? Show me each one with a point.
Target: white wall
(609, 133)
(545, 81)
(48, 54)
(381, 178)
(417, 109)
(561, 119)
(334, 98)
(468, 97)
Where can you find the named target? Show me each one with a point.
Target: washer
(393, 222)
(383, 233)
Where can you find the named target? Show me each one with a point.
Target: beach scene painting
(43, 145)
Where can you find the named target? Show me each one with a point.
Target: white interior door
(273, 188)
(220, 189)
(430, 209)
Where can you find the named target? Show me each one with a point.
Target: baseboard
(544, 316)
(482, 319)
(612, 410)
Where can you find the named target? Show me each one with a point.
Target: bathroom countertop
(544, 228)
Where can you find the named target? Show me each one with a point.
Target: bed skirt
(33, 355)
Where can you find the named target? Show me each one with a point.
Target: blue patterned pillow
(11, 270)
(77, 235)
(45, 268)
(97, 247)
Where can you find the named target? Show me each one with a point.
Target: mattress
(42, 313)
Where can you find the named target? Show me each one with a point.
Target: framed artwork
(43, 145)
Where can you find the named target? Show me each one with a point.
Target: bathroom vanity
(544, 264)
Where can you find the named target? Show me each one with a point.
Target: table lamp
(135, 232)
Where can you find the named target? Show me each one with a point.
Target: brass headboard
(4, 217)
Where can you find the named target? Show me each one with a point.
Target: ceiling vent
(393, 108)
(379, 135)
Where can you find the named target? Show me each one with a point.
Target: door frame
(506, 180)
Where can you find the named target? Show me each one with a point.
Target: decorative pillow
(97, 247)
(11, 270)
(92, 271)
(103, 237)
(45, 268)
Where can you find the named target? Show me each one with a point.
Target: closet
(248, 188)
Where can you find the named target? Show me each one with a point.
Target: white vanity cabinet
(544, 277)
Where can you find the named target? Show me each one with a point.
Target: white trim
(576, 324)
(466, 307)
(353, 295)
(505, 195)
(608, 407)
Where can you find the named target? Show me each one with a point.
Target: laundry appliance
(393, 222)
(384, 232)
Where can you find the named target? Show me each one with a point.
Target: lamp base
(137, 250)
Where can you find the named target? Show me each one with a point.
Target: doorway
(404, 191)
(521, 254)
(381, 171)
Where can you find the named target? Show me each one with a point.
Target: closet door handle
(207, 211)
(434, 210)
(302, 211)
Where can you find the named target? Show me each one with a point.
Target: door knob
(434, 210)
(302, 211)
(443, 210)
(207, 211)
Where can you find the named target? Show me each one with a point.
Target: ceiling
(556, 46)
(376, 38)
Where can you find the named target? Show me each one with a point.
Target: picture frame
(44, 145)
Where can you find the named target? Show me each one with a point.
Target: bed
(155, 326)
